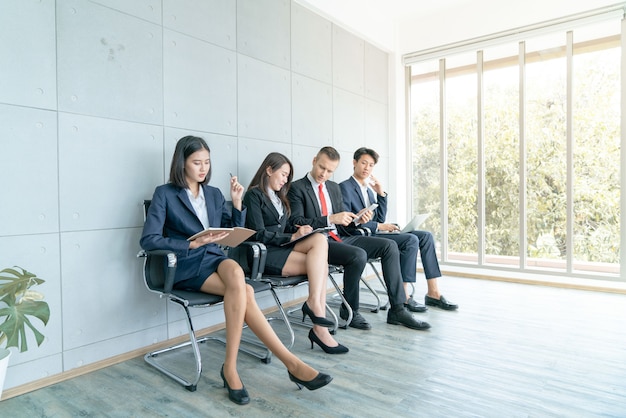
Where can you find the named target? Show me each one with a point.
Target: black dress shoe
(414, 306)
(441, 303)
(398, 315)
(338, 349)
(320, 380)
(317, 320)
(239, 396)
(357, 322)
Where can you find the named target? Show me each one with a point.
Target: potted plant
(17, 304)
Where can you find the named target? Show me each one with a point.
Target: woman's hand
(207, 239)
(236, 192)
(302, 231)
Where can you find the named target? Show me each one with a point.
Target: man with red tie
(318, 202)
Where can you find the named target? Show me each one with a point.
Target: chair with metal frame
(159, 270)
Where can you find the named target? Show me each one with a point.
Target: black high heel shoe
(317, 320)
(320, 380)
(239, 396)
(340, 349)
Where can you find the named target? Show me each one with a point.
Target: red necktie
(325, 212)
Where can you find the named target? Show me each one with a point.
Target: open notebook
(235, 235)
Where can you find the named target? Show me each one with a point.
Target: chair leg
(191, 384)
(382, 282)
(375, 307)
(285, 319)
(343, 301)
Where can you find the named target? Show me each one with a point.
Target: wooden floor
(512, 350)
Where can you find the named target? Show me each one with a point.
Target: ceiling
(402, 9)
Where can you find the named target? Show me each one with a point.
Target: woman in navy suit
(269, 212)
(187, 205)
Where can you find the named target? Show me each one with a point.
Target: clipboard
(235, 235)
(323, 229)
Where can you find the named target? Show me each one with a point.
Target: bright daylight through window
(528, 134)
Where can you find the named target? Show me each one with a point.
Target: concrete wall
(94, 95)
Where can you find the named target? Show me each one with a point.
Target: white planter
(5, 354)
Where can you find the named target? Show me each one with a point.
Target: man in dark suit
(318, 202)
(363, 189)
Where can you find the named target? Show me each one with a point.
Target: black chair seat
(284, 281)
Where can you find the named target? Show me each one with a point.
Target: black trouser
(353, 254)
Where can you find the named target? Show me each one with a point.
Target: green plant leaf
(16, 321)
(17, 303)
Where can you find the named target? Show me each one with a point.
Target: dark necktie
(325, 212)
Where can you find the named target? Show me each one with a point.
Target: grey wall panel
(376, 74)
(263, 30)
(311, 44)
(200, 85)
(348, 120)
(264, 103)
(224, 155)
(129, 154)
(101, 299)
(101, 350)
(145, 9)
(41, 368)
(213, 21)
(348, 52)
(312, 111)
(376, 127)
(344, 169)
(29, 183)
(252, 152)
(302, 159)
(109, 63)
(27, 37)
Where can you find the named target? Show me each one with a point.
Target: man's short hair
(366, 151)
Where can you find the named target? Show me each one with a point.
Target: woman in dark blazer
(268, 213)
(187, 205)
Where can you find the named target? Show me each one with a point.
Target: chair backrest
(155, 270)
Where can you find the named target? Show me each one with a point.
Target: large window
(516, 150)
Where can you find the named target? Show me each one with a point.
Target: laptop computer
(415, 223)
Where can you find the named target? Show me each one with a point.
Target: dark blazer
(353, 201)
(264, 219)
(305, 210)
(171, 220)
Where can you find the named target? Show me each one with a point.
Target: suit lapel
(268, 203)
(311, 194)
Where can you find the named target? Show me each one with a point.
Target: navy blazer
(264, 219)
(305, 209)
(171, 219)
(353, 201)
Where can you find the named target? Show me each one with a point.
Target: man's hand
(341, 218)
(374, 183)
(388, 227)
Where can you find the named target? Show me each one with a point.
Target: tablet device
(370, 207)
